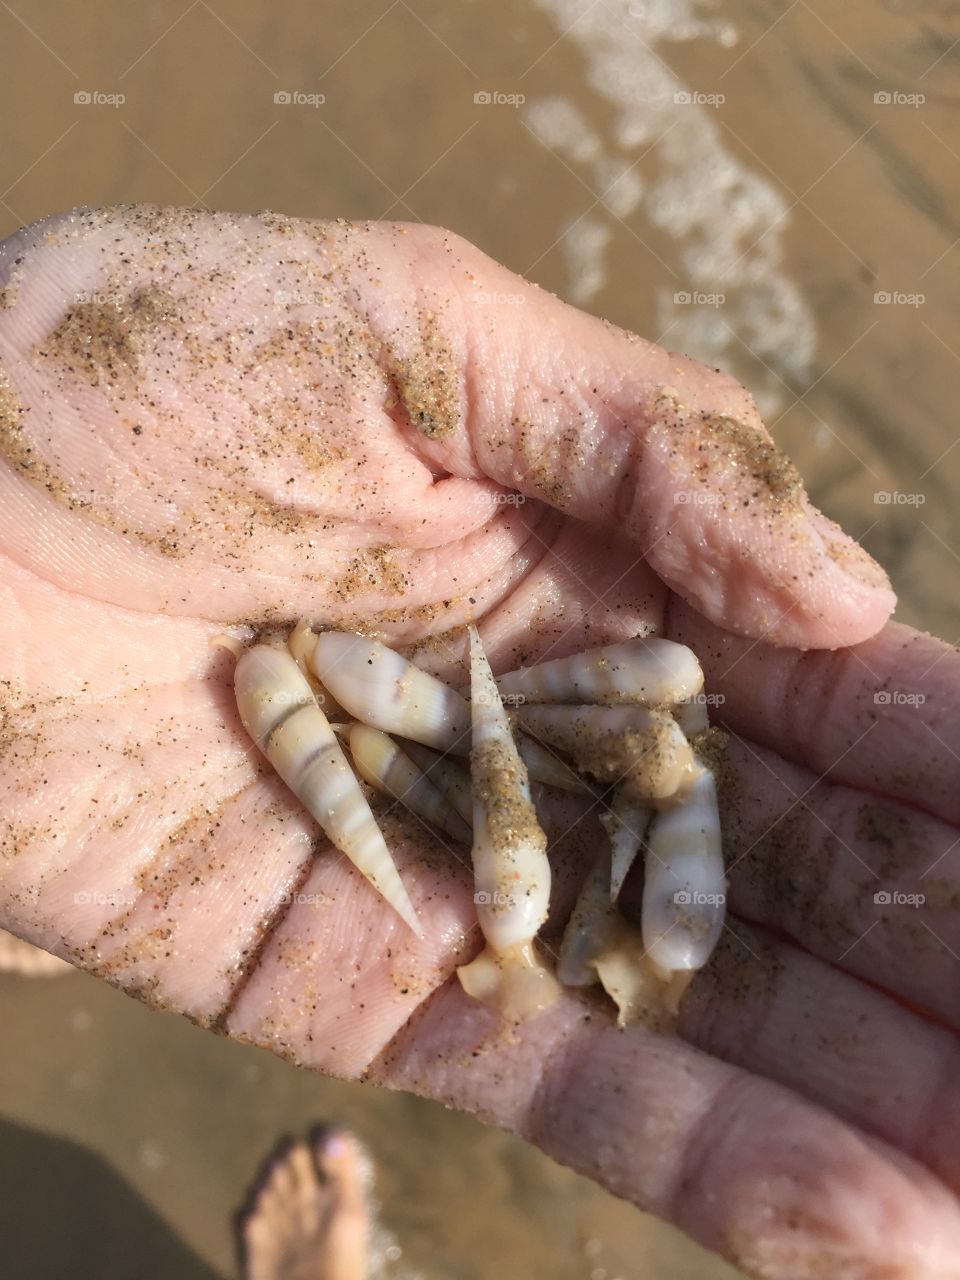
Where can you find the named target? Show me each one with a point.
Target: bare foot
(309, 1217)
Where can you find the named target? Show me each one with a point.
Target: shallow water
(744, 184)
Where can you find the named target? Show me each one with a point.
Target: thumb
(615, 430)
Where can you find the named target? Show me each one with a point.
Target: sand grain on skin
(427, 382)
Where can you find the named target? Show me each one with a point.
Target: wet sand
(173, 1122)
(762, 232)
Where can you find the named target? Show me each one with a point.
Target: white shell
(599, 945)
(300, 642)
(388, 768)
(652, 673)
(691, 715)
(591, 929)
(281, 715)
(385, 690)
(684, 895)
(448, 776)
(511, 871)
(626, 824)
(544, 765)
(644, 750)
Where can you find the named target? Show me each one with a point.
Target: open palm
(217, 423)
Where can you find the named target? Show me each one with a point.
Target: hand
(214, 421)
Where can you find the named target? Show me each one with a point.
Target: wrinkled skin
(213, 423)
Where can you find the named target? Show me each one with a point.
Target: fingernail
(336, 1145)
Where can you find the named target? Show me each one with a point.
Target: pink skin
(807, 1123)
